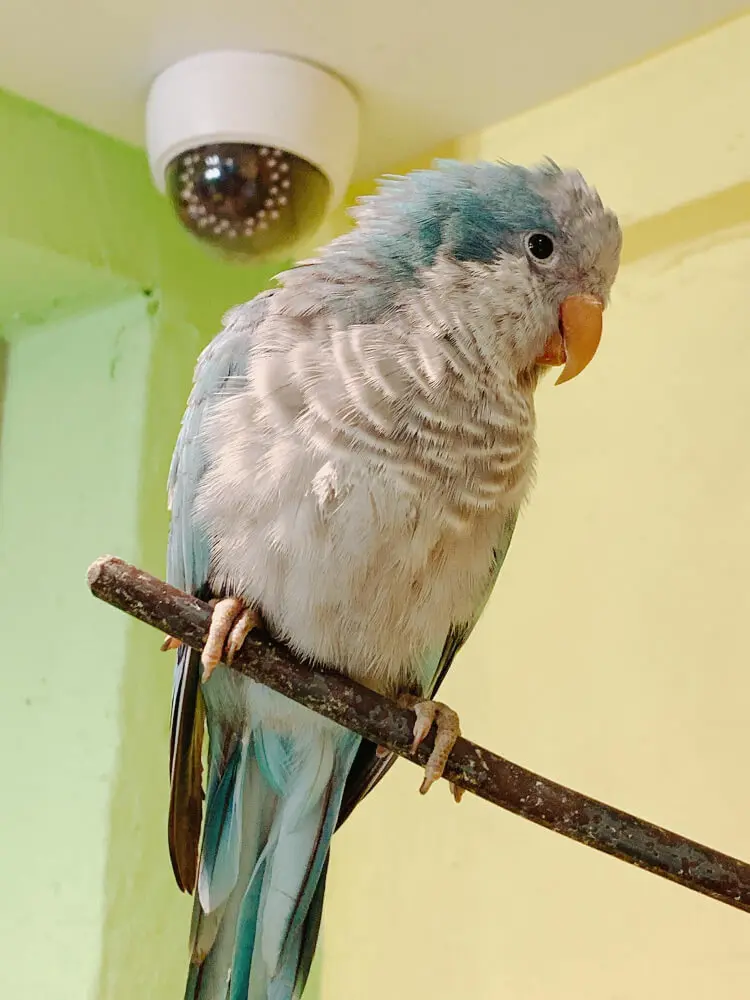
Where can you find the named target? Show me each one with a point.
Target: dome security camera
(252, 149)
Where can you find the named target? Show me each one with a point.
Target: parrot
(356, 448)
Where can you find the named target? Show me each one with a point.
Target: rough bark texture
(472, 767)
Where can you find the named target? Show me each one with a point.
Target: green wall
(74, 420)
(105, 303)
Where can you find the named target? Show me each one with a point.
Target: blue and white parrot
(348, 474)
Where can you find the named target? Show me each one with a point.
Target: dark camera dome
(248, 201)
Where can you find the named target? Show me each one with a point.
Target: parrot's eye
(540, 246)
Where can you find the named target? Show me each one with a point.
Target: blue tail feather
(270, 816)
(309, 933)
(291, 946)
(220, 856)
(247, 923)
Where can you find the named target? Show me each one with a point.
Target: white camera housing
(252, 148)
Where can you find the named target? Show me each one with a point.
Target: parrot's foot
(448, 731)
(231, 623)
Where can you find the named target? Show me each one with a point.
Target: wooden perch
(472, 767)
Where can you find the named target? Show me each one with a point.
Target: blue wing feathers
(219, 369)
(185, 768)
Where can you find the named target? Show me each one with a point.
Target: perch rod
(475, 769)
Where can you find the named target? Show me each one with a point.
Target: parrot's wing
(368, 769)
(220, 371)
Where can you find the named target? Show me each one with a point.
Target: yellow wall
(613, 655)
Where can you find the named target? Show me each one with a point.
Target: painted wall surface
(612, 656)
(71, 449)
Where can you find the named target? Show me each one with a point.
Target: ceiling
(425, 70)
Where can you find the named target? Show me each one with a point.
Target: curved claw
(457, 791)
(241, 629)
(448, 731)
(231, 623)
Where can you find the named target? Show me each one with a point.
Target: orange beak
(574, 344)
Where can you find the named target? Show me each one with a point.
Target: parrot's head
(535, 243)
